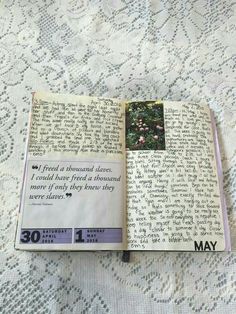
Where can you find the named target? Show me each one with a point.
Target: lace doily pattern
(169, 49)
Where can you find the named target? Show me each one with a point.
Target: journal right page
(174, 200)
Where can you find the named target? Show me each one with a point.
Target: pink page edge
(220, 178)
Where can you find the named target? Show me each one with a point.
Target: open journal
(105, 174)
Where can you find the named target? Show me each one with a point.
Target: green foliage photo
(145, 126)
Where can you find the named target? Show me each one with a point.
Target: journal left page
(73, 194)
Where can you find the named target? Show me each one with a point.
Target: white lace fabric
(168, 49)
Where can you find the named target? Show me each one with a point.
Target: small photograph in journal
(145, 126)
